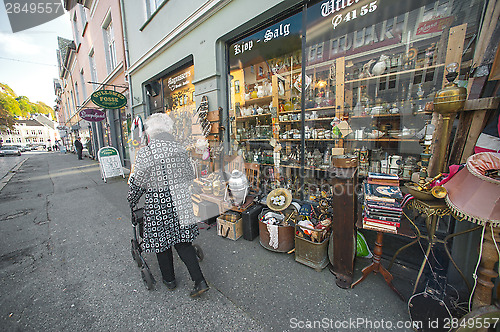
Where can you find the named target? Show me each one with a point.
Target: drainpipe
(128, 78)
(127, 55)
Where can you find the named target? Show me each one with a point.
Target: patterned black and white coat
(163, 172)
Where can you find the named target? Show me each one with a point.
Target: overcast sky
(28, 62)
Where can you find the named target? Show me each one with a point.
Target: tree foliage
(6, 118)
(13, 106)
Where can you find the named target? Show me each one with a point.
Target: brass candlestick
(447, 102)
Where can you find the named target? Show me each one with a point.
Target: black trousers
(79, 153)
(187, 254)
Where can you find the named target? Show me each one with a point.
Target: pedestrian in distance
(79, 148)
(88, 145)
(163, 172)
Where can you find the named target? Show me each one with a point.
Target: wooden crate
(228, 229)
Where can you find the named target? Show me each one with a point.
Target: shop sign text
(179, 81)
(92, 115)
(333, 6)
(243, 47)
(282, 31)
(108, 99)
(436, 25)
(352, 15)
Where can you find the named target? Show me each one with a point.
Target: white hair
(158, 123)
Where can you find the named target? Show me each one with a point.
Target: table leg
(375, 266)
(388, 279)
(422, 266)
(399, 250)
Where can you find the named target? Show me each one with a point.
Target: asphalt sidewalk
(65, 264)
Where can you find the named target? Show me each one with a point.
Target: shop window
(265, 109)
(370, 72)
(178, 102)
(387, 71)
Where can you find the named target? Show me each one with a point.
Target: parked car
(10, 150)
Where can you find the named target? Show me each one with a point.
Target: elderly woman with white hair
(163, 172)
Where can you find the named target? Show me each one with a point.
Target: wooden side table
(375, 266)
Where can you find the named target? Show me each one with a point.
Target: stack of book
(382, 209)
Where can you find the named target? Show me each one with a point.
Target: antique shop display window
(178, 102)
(371, 71)
(265, 97)
(373, 68)
(174, 95)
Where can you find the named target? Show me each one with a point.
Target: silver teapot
(238, 184)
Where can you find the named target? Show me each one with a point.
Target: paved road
(65, 265)
(7, 163)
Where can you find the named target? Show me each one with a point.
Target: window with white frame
(82, 82)
(33, 132)
(83, 15)
(19, 140)
(93, 69)
(152, 6)
(77, 94)
(109, 44)
(75, 30)
(40, 132)
(72, 102)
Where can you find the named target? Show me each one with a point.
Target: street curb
(10, 174)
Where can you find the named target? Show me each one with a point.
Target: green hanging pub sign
(108, 99)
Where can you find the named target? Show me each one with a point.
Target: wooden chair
(252, 171)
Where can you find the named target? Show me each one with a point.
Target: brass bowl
(450, 99)
(419, 194)
(285, 199)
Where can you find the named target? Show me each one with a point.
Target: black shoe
(171, 285)
(199, 289)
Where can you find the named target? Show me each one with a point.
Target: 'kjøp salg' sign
(92, 115)
(108, 99)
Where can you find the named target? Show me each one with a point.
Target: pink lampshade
(472, 195)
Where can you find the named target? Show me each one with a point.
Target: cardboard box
(230, 230)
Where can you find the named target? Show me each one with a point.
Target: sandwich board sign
(110, 162)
